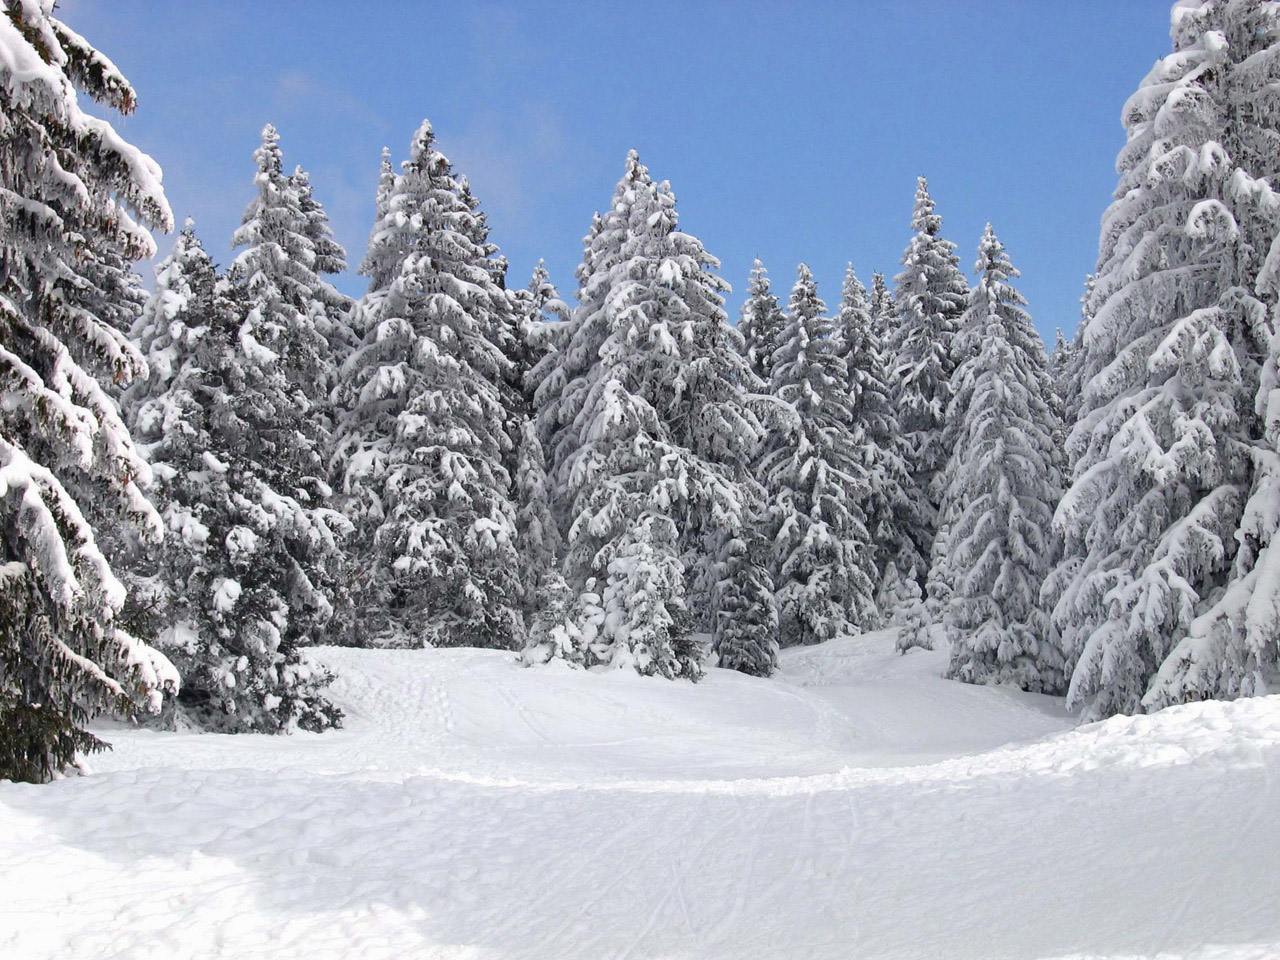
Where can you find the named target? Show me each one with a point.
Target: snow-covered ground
(856, 807)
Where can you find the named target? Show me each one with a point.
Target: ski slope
(857, 806)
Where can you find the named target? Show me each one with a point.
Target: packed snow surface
(858, 806)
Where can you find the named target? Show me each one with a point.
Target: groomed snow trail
(859, 807)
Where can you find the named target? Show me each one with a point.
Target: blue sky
(788, 131)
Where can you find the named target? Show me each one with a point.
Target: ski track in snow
(856, 806)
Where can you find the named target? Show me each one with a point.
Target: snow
(857, 805)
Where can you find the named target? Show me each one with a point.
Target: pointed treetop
(853, 295)
(923, 219)
(423, 143)
(993, 261)
(268, 156)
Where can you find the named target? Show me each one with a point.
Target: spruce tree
(293, 312)
(544, 322)
(883, 310)
(76, 205)
(909, 615)
(822, 561)
(421, 451)
(930, 296)
(762, 323)
(745, 628)
(649, 423)
(1163, 543)
(892, 520)
(243, 567)
(539, 544)
(1002, 487)
(993, 295)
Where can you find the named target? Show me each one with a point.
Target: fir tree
(76, 202)
(242, 571)
(930, 298)
(1002, 487)
(762, 323)
(883, 310)
(891, 517)
(646, 411)
(293, 312)
(539, 544)
(421, 451)
(544, 322)
(643, 605)
(909, 615)
(993, 295)
(745, 629)
(822, 561)
(1162, 540)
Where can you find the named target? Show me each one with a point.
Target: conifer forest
(620, 614)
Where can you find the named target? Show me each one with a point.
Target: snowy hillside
(859, 806)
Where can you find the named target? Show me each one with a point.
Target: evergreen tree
(930, 297)
(420, 452)
(643, 605)
(822, 559)
(539, 544)
(883, 310)
(992, 296)
(910, 617)
(293, 312)
(1162, 541)
(76, 202)
(241, 573)
(649, 421)
(762, 323)
(1002, 487)
(381, 258)
(544, 321)
(745, 629)
(891, 518)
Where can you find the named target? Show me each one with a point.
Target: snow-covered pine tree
(891, 518)
(822, 562)
(1153, 593)
(293, 311)
(930, 299)
(910, 617)
(543, 317)
(647, 412)
(884, 311)
(240, 574)
(76, 201)
(381, 259)
(420, 451)
(643, 604)
(539, 544)
(1002, 486)
(555, 633)
(745, 628)
(993, 295)
(762, 323)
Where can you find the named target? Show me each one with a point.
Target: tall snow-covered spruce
(762, 323)
(240, 581)
(823, 564)
(930, 298)
(1165, 592)
(71, 189)
(1002, 484)
(286, 248)
(650, 433)
(892, 518)
(422, 448)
